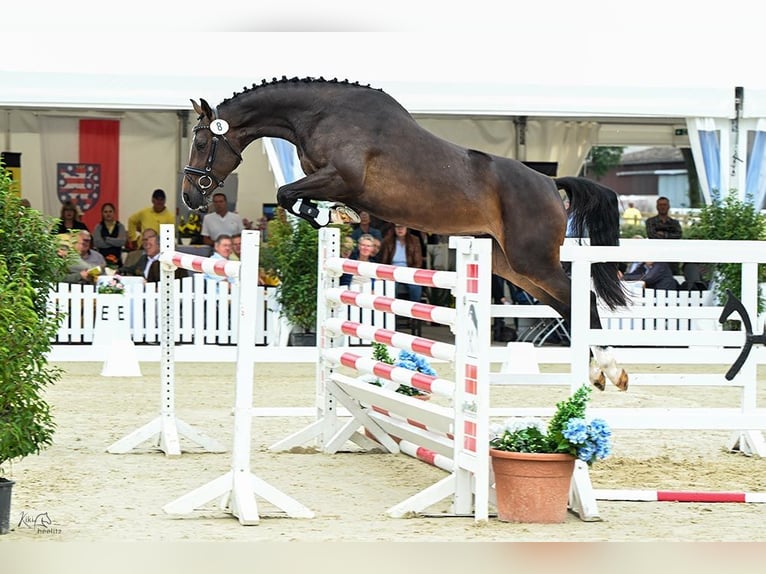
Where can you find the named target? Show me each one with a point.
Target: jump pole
(167, 427)
(678, 496)
(237, 489)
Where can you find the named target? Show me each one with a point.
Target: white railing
(204, 314)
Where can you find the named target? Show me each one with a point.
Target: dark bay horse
(360, 147)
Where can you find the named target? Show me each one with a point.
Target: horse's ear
(196, 107)
(207, 109)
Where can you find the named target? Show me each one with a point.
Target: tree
(601, 159)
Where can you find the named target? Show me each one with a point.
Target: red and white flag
(81, 160)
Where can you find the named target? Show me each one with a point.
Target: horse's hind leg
(602, 361)
(553, 287)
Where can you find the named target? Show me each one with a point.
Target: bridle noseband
(206, 180)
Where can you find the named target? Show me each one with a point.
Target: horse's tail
(593, 207)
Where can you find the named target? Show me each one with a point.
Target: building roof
(658, 154)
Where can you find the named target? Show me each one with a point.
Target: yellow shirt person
(632, 216)
(149, 218)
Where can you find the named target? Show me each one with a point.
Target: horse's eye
(200, 143)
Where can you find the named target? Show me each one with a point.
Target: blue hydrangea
(576, 431)
(414, 362)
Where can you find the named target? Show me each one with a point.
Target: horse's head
(209, 161)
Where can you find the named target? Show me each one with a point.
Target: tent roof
(166, 92)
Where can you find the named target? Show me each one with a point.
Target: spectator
(662, 226)
(403, 249)
(221, 250)
(69, 220)
(365, 227)
(632, 215)
(150, 242)
(149, 218)
(110, 235)
(79, 270)
(654, 275)
(90, 256)
(221, 221)
(363, 252)
(500, 331)
(236, 247)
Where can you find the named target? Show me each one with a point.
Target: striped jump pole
(420, 381)
(468, 448)
(678, 496)
(421, 345)
(412, 309)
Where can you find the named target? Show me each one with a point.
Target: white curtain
(564, 142)
(755, 185)
(59, 143)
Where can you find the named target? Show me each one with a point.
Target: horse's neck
(266, 112)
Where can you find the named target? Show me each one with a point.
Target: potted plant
(189, 229)
(533, 462)
(29, 268)
(291, 256)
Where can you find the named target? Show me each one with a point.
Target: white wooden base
(166, 429)
(749, 442)
(237, 491)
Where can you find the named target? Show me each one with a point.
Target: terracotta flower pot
(532, 487)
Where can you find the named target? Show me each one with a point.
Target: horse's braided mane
(296, 80)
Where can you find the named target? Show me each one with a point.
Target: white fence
(205, 317)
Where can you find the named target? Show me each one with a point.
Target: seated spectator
(363, 252)
(402, 248)
(109, 235)
(236, 247)
(221, 250)
(654, 275)
(151, 254)
(91, 256)
(69, 219)
(79, 270)
(365, 227)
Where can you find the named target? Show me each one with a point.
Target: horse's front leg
(324, 184)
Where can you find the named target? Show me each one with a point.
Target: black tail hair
(594, 208)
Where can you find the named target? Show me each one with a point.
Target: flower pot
(5, 504)
(303, 339)
(532, 487)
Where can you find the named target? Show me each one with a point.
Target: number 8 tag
(219, 127)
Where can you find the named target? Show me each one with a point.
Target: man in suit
(148, 263)
(151, 253)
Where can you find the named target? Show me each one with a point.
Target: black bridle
(206, 180)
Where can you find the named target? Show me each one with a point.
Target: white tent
(476, 97)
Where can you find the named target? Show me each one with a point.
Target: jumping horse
(360, 148)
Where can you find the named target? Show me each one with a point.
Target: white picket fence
(205, 315)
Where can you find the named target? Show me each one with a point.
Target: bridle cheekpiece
(206, 180)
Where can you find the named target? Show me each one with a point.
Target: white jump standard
(167, 427)
(236, 489)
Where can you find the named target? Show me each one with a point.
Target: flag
(100, 145)
(81, 164)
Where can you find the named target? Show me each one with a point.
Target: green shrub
(729, 219)
(29, 267)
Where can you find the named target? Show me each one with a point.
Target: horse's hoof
(600, 384)
(622, 381)
(598, 381)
